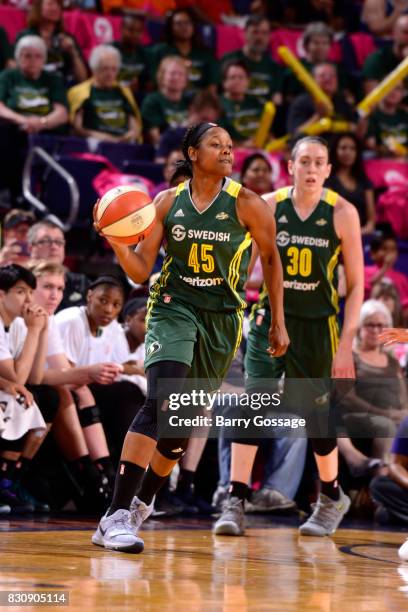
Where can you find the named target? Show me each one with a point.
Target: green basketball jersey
(207, 253)
(309, 251)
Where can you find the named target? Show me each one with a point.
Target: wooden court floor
(186, 568)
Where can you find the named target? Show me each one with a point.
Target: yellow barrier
(306, 78)
(265, 123)
(382, 89)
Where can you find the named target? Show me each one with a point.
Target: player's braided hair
(192, 138)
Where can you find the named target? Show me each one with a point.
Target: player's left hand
(278, 340)
(343, 364)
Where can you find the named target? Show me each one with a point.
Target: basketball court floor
(186, 568)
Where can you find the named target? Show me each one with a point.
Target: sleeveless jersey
(207, 252)
(309, 253)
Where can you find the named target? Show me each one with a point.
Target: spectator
(388, 295)
(100, 107)
(205, 106)
(64, 55)
(380, 15)
(384, 254)
(169, 169)
(388, 124)
(317, 41)
(241, 111)
(182, 39)
(31, 101)
(91, 334)
(6, 54)
(167, 107)
(348, 178)
(22, 360)
(266, 76)
(384, 60)
(134, 314)
(390, 490)
(378, 401)
(305, 111)
(133, 72)
(16, 224)
(47, 241)
(256, 174)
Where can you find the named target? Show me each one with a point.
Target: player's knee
(89, 416)
(145, 422)
(172, 448)
(323, 446)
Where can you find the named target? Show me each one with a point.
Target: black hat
(16, 216)
(133, 305)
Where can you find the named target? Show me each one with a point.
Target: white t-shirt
(81, 347)
(137, 379)
(18, 330)
(12, 341)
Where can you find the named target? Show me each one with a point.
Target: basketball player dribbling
(195, 311)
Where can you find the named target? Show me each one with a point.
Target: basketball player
(313, 226)
(390, 336)
(195, 311)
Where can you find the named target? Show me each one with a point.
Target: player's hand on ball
(278, 340)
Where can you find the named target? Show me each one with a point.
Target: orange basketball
(125, 214)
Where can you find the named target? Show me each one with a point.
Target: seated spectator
(305, 111)
(266, 76)
(256, 174)
(384, 253)
(389, 296)
(169, 168)
(317, 40)
(22, 360)
(390, 490)
(82, 444)
(388, 124)
(100, 107)
(6, 54)
(133, 72)
(46, 241)
(64, 56)
(241, 111)
(383, 61)
(205, 106)
(134, 314)
(380, 15)
(348, 178)
(91, 334)
(31, 101)
(378, 401)
(182, 39)
(167, 107)
(340, 15)
(16, 224)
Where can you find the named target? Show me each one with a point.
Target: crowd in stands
(112, 85)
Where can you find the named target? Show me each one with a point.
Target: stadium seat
(149, 170)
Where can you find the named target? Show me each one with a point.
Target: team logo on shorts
(282, 239)
(155, 347)
(178, 232)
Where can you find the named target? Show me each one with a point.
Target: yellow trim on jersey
(233, 270)
(330, 197)
(240, 314)
(233, 188)
(259, 304)
(181, 188)
(281, 194)
(159, 284)
(330, 273)
(334, 334)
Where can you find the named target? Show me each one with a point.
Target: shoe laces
(325, 510)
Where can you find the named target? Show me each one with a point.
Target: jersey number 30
(200, 259)
(300, 261)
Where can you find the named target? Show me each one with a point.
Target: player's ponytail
(192, 138)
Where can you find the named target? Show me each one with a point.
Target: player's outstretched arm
(138, 264)
(257, 216)
(347, 225)
(391, 335)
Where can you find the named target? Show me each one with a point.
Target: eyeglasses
(373, 326)
(49, 241)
